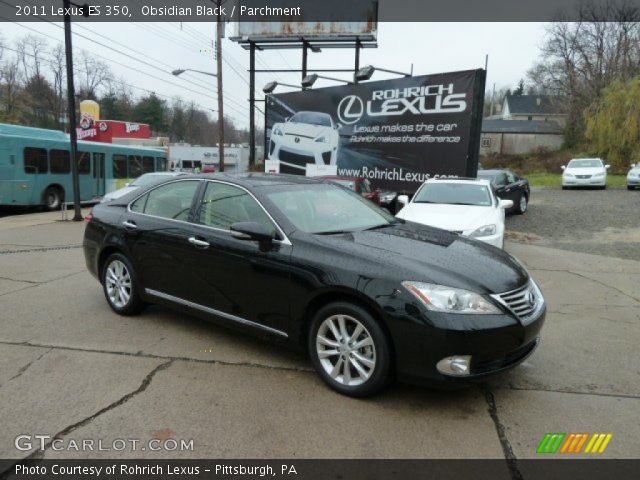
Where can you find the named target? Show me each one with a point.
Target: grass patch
(543, 179)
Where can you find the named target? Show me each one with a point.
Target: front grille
(583, 177)
(326, 157)
(488, 365)
(296, 158)
(523, 301)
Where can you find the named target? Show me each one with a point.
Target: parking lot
(71, 367)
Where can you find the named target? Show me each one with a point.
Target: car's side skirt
(213, 311)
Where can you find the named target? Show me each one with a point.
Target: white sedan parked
(467, 207)
(633, 177)
(585, 172)
(141, 181)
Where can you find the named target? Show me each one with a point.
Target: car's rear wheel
(523, 204)
(120, 285)
(629, 187)
(53, 198)
(349, 349)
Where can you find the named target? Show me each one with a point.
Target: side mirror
(127, 184)
(506, 204)
(563, 167)
(253, 231)
(607, 167)
(633, 165)
(286, 119)
(403, 200)
(338, 126)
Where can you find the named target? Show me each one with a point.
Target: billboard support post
(304, 59)
(356, 67)
(252, 104)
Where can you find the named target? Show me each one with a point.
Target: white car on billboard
(584, 172)
(465, 207)
(306, 137)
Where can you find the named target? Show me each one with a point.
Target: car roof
(470, 181)
(258, 179)
(493, 171)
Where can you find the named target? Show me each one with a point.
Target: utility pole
(252, 105)
(71, 106)
(219, 35)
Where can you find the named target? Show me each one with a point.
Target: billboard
(307, 24)
(397, 133)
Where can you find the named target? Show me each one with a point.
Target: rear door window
(172, 200)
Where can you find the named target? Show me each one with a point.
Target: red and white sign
(107, 130)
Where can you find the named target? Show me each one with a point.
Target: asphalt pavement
(71, 367)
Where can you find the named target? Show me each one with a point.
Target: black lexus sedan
(312, 264)
(509, 186)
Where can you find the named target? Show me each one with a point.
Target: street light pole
(71, 106)
(219, 34)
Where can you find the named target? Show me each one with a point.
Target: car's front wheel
(120, 286)
(523, 204)
(350, 350)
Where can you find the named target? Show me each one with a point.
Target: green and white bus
(35, 167)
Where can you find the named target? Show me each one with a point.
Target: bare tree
(57, 66)
(579, 59)
(92, 73)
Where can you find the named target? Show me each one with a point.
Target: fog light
(456, 366)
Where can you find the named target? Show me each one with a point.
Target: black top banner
(296, 11)
(397, 133)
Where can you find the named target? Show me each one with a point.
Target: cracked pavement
(72, 369)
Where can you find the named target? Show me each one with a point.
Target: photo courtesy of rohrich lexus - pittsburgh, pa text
(360, 240)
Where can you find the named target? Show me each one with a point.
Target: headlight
(601, 174)
(567, 174)
(322, 139)
(484, 231)
(277, 131)
(387, 197)
(450, 300)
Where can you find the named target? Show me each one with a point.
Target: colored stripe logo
(573, 443)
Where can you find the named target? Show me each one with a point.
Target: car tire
(604, 187)
(565, 188)
(523, 204)
(53, 198)
(365, 350)
(629, 187)
(120, 285)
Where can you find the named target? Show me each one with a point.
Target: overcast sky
(430, 47)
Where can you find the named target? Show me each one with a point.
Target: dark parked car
(509, 186)
(385, 199)
(315, 266)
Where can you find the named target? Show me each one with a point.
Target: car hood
(450, 217)
(585, 170)
(410, 251)
(304, 129)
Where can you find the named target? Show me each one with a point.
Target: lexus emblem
(350, 109)
(531, 299)
(297, 139)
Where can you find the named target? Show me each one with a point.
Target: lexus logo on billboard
(350, 109)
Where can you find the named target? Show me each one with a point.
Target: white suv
(467, 207)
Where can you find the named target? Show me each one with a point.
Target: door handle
(198, 243)
(129, 225)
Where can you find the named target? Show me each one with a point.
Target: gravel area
(602, 222)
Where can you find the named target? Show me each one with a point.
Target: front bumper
(633, 181)
(584, 182)
(495, 343)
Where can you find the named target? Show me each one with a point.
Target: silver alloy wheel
(346, 350)
(523, 203)
(118, 281)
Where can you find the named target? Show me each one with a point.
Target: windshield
(146, 179)
(587, 163)
(327, 208)
(313, 118)
(454, 194)
(486, 176)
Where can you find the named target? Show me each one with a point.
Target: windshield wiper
(332, 232)
(383, 225)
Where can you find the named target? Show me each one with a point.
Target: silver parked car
(141, 181)
(633, 177)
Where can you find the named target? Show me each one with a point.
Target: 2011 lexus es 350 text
(316, 266)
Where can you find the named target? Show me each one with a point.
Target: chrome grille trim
(517, 301)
